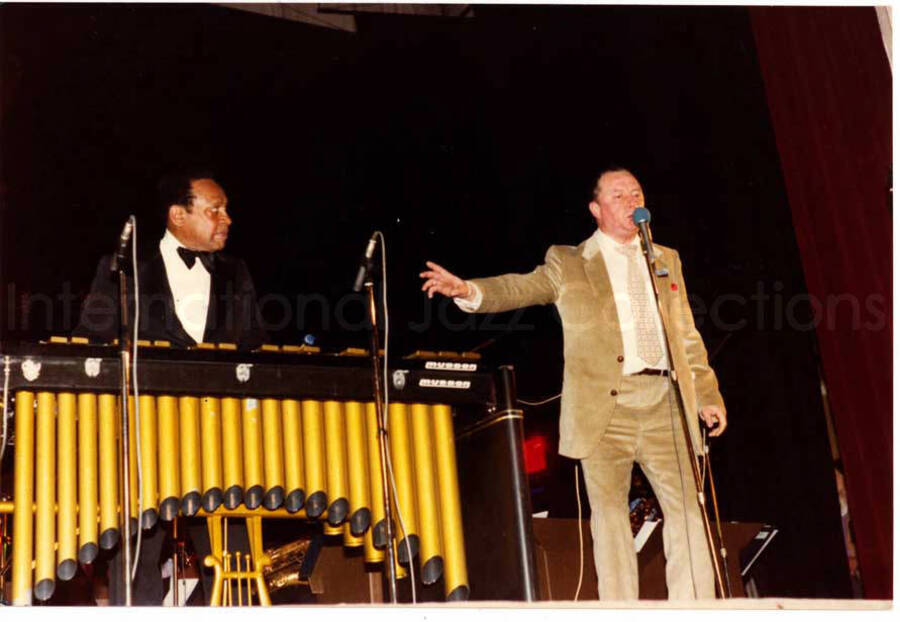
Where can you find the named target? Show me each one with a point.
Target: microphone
(641, 218)
(365, 264)
(119, 256)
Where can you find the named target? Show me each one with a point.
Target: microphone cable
(137, 402)
(704, 462)
(580, 537)
(5, 418)
(540, 402)
(390, 464)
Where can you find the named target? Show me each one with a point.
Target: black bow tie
(207, 258)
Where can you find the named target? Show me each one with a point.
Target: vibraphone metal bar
(302, 444)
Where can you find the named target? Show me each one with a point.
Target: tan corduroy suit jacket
(581, 290)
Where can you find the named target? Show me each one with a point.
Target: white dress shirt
(617, 268)
(190, 287)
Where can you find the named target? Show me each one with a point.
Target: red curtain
(828, 84)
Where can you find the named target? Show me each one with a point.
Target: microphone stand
(382, 438)
(712, 489)
(125, 466)
(715, 505)
(673, 379)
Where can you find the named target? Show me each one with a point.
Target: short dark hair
(615, 168)
(174, 188)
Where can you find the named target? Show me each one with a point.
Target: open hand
(712, 415)
(439, 280)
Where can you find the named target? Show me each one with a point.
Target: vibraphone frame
(486, 423)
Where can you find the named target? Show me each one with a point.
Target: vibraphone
(280, 432)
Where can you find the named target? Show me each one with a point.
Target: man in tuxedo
(190, 292)
(617, 403)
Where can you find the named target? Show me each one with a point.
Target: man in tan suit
(617, 403)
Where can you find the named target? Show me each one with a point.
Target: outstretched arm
(497, 293)
(440, 280)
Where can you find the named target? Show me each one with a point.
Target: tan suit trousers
(646, 428)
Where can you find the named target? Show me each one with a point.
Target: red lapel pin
(674, 287)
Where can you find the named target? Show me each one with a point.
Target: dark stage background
(473, 142)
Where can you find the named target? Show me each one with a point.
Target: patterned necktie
(649, 349)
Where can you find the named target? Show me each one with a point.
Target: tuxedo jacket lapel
(159, 306)
(219, 316)
(220, 320)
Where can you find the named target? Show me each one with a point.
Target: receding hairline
(609, 171)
